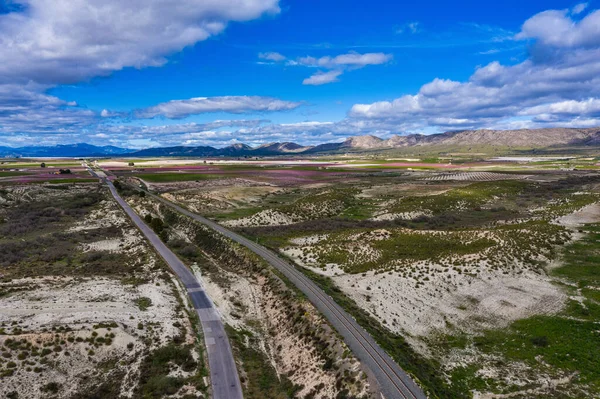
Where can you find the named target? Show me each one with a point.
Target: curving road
(393, 381)
(224, 377)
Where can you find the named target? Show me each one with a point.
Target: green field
(175, 177)
(13, 173)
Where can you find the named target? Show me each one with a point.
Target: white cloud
(591, 106)
(45, 43)
(321, 78)
(557, 84)
(410, 27)
(556, 28)
(66, 41)
(24, 108)
(177, 109)
(335, 64)
(579, 8)
(354, 60)
(272, 56)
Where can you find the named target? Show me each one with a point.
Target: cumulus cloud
(66, 41)
(44, 43)
(552, 89)
(321, 78)
(177, 109)
(591, 106)
(557, 28)
(558, 84)
(131, 135)
(25, 108)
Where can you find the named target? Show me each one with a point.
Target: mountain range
(66, 150)
(467, 139)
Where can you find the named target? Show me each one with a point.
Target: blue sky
(149, 73)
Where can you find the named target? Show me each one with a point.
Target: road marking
(208, 315)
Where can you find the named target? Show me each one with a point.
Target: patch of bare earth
(66, 336)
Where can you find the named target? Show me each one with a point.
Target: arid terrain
(455, 262)
(88, 310)
(478, 278)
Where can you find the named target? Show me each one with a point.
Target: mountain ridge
(520, 138)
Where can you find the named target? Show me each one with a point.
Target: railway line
(393, 381)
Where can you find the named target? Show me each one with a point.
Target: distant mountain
(280, 148)
(178, 151)
(516, 139)
(466, 139)
(69, 150)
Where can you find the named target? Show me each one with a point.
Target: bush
(52, 387)
(143, 303)
(157, 225)
(541, 341)
(154, 379)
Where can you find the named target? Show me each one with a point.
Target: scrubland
(282, 345)
(87, 310)
(481, 280)
(480, 284)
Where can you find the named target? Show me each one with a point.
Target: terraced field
(476, 176)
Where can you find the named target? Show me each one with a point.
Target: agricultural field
(43, 171)
(478, 278)
(87, 308)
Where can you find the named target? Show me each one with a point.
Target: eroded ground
(471, 272)
(86, 307)
(283, 346)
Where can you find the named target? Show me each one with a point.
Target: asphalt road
(224, 377)
(393, 381)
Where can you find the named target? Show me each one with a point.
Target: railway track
(393, 381)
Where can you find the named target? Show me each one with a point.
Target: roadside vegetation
(282, 346)
(94, 313)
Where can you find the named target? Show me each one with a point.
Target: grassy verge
(13, 173)
(260, 380)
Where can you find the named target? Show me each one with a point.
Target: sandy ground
(236, 195)
(402, 215)
(268, 217)
(79, 304)
(587, 214)
(72, 309)
(492, 299)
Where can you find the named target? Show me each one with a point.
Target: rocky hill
(467, 139)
